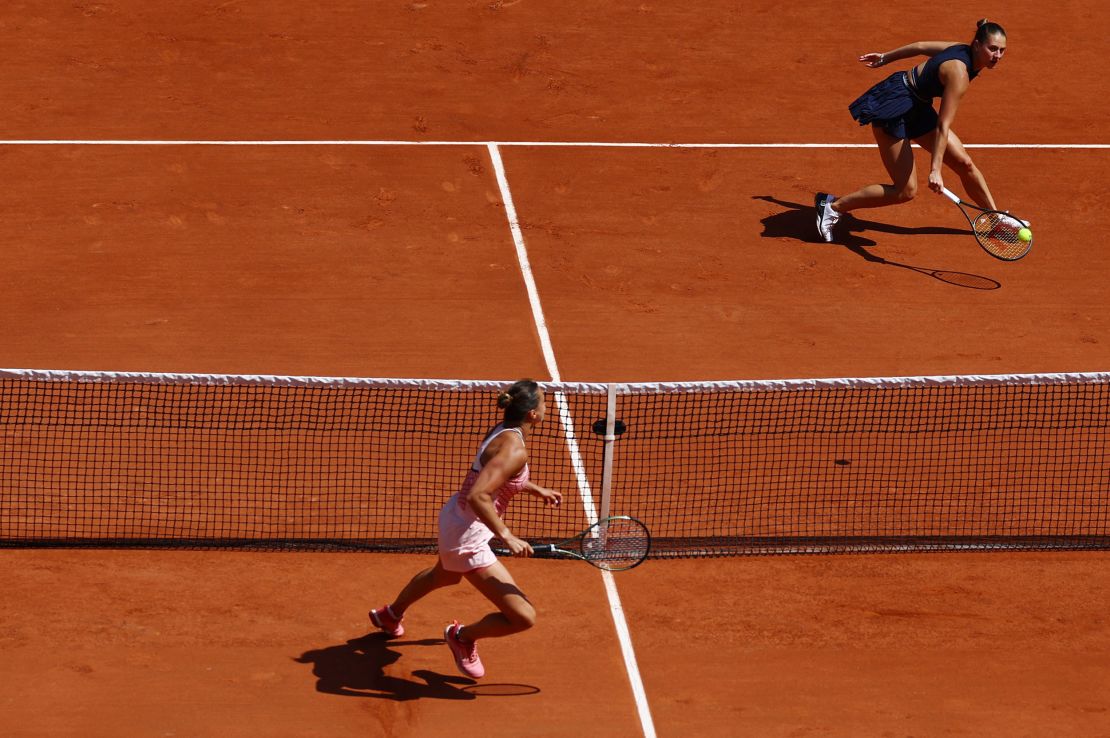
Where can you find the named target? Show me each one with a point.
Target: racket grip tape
(950, 195)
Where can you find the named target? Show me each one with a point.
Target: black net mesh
(710, 469)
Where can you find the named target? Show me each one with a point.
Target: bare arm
(954, 77)
(508, 459)
(549, 496)
(917, 48)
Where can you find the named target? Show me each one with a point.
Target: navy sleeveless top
(927, 85)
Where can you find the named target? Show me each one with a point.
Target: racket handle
(950, 194)
(537, 548)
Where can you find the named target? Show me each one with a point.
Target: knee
(906, 192)
(522, 617)
(964, 168)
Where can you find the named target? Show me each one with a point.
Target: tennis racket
(613, 544)
(996, 232)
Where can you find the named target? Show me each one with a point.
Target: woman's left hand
(550, 497)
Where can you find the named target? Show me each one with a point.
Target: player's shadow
(797, 221)
(357, 669)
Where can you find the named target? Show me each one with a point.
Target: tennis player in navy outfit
(900, 111)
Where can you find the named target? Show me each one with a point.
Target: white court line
(561, 404)
(615, 609)
(554, 144)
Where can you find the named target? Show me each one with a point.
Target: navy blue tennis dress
(902, 104)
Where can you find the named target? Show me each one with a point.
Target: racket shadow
(357, 669)
(797, 222)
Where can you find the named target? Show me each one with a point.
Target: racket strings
(617, 544)
(998, 234)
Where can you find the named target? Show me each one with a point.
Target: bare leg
(897, 155)
(515, 611)
(957, 159)
(423, 584)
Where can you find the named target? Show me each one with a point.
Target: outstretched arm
(955, 79)
(917, 48)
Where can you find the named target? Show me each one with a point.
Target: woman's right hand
(936, 181)
(873, 59)
(516, 546)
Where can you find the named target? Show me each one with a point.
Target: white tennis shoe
(826, 216)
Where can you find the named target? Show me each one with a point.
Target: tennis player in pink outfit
(467, 523)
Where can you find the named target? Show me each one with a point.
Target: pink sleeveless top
(505, 493)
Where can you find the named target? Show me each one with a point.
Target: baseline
(557, 144)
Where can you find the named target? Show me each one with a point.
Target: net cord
(586, 388)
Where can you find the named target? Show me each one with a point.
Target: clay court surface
(651, 263)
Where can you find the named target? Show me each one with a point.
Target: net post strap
(607, 454)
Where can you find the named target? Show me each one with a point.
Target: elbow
(482, 500)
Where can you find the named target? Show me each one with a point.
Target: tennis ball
(1025, 235)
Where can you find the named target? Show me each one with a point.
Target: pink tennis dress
(463, 538)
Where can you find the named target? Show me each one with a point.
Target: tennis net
(719, 468)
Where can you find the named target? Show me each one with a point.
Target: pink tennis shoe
(384, 619)
(466, 654)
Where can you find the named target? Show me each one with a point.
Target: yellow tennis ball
(1025, 235)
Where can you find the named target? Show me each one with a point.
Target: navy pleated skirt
(892, 106)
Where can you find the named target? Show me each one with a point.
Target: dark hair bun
(984, 29)
(519, 399)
